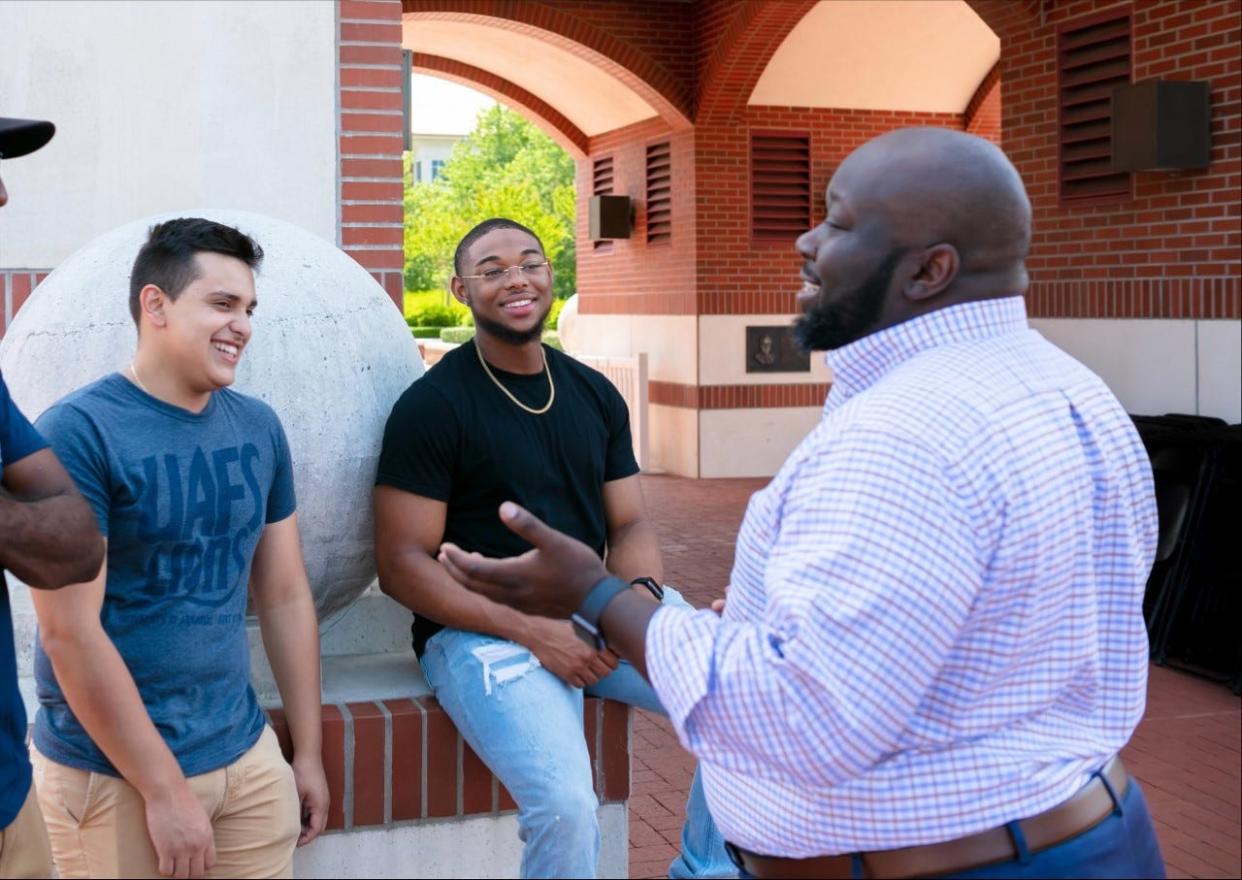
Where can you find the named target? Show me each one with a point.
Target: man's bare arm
(408, 531)
(286, 611)
(48, 536)
(633, 548)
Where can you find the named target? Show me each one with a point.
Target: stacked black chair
(1193, 604)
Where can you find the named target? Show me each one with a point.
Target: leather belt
(1088, 807)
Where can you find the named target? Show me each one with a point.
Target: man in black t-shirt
(505, 417)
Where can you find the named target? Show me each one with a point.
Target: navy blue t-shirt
(182, 499)
(18, 439)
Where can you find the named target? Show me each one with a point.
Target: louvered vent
(1093, 57)
(780, 185)
(601, 185)
(659, 193)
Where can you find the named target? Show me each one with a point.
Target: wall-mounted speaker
(1162, 125)
(609, 217)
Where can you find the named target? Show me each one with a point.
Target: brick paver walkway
(1186, 751)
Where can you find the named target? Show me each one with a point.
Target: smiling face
(200, 335)
(851, 260)
(512, 306)
(916, 220)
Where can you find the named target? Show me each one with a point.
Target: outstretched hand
(551, 580)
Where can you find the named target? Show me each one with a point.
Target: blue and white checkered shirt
(934, 622)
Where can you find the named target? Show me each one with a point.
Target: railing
(629, 375)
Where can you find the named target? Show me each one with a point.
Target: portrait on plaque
(774, 350)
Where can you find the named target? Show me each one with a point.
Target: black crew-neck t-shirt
(455, 437)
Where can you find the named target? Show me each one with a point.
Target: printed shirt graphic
(182, 499)
(18, 439)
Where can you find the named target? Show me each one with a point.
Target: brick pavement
(1186, 752)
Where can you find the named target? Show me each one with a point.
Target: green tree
(505, 167)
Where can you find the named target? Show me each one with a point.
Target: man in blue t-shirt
(48, 539)
(151, 754)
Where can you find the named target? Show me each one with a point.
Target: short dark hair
(167, 258)
(483, 229)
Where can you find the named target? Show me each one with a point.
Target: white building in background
(441, 114)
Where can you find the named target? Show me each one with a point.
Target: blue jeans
(1123, 845)
(526, 725)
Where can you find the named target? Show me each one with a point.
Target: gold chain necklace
(134, 370)
(551, 387)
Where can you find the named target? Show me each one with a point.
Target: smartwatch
(652, 585)
(586, 618)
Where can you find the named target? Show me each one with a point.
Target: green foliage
(414, 300)
(506, 167)
(457, 334)
(425, 332)
(435, 315)
(554, 313)
(419, 304)
(420, 272)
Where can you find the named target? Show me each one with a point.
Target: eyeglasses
(499, 274)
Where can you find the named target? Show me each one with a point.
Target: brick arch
(982, 113)
(758, 27)
(742, 51)
(627, 64)
(548, 118)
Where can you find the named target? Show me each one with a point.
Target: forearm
(421, 584)
(51, 542)
(624, 624)
(634, 551)
(290, 633)
(102, 694)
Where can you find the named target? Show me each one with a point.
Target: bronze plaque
(774, 350)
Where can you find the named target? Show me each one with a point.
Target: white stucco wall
(1159, 366)
(162, 105)
(723, 360)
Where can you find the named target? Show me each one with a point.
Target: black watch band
(586, 618)
(652, 585)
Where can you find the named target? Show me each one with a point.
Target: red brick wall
(1173, 249)
(15, 288)
(369, 73)
(404, 760)
(633, 277)
(656, 28)
(711, 224)
(737, 396)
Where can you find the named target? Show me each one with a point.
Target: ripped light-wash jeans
(526, 725)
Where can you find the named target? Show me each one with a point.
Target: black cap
(21, 136)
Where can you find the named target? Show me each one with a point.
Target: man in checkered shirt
(933, 646)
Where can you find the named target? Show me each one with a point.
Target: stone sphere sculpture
(329, 352)
(567, 325)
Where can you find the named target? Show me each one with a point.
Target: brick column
(370, 123)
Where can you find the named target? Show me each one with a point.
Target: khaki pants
(23, 844)
(98, 828)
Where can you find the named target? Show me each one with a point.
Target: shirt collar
(859, 365)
